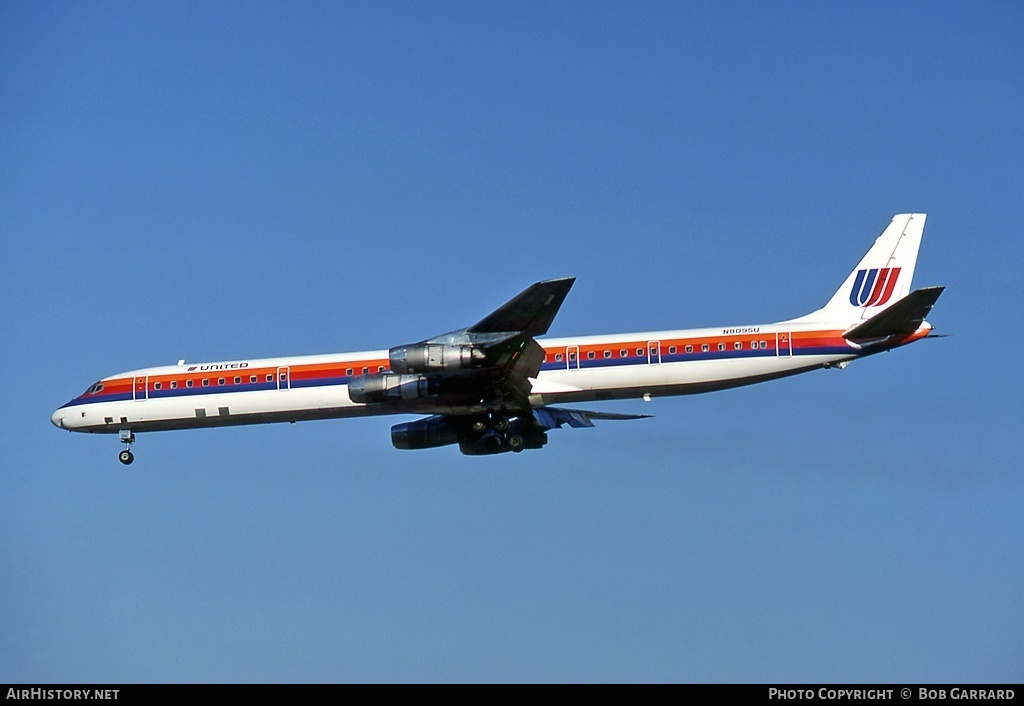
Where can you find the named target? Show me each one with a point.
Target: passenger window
(348, 372)
(689, 348)
(156, 386)
(721, 346)
(705, 347)
(252, 378)
(607, 354)
(220, 381)
(671, 350)
(738, 346)
(764, 344)
(238, 380)
(206, 382)
(591, 355)
(380, 368)
(174, 384)
(623, 353)
(640, 351)
(366, 371)
(189, 383)
(558, 357)
(270, 377)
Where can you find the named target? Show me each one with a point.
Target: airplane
(493, 387)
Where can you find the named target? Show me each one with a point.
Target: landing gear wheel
(500, 423)
(127, 438)
(478, 426)
(515, 442)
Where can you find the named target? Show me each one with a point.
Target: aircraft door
(784, 344)
(653, 352)
(572, 358)
(284, 378)
(140, 390)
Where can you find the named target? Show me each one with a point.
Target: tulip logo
(874, 287)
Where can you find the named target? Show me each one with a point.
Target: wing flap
(555, 417)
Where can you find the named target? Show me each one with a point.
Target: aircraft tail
(882, 278)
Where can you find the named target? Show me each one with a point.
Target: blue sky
(230, 180)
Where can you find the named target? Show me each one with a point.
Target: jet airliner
(494, 387)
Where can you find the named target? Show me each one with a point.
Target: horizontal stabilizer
(530, 312)
(554, 417)
(902, 318)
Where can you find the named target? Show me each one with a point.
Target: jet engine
(434, 357)
(426, 433)
(472, 435)
(387, 387)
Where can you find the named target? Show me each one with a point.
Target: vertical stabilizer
(882, 278)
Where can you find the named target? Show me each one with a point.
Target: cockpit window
(93, 389)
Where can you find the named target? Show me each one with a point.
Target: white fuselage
(579, 369)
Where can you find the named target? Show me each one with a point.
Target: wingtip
(568, 280)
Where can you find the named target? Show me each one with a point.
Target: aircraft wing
(486, 366)
(555, 417)
(530, 312)
(477, 381)
(506, 337)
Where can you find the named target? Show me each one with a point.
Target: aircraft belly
(678, 378)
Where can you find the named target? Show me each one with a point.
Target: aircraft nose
(57, 418)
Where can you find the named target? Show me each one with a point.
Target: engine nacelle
(387, 387)
(437, 431)
(424, 434)
(434, 357)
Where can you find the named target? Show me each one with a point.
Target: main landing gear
(495, 433)
(126, 456)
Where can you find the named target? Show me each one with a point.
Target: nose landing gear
(126, 456)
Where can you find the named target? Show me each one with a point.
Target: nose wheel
(127, 438)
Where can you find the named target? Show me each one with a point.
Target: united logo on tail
(874, 287)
